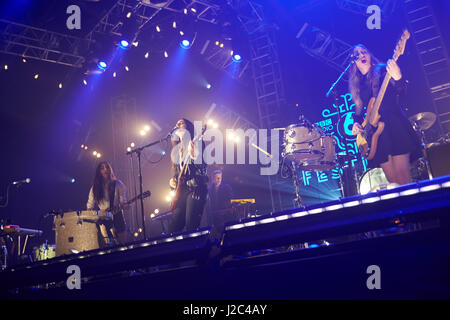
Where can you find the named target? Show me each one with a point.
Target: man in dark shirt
(219, 204)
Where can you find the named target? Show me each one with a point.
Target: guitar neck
(381, 94)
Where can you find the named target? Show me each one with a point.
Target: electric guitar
(146, 194)
(183, 172)
(367, 141)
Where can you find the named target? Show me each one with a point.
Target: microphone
(172, 131)
(355, 57)
(27, 180)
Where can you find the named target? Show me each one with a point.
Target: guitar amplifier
(76, 231)
(439, 159)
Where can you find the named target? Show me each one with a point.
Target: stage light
(82, 146)
(156, 211)
(114, 75)
(24, 60)
(185, 44)
(181, 33)
(215, 125)
(168, 198)
(94, 153)
(142, 132)
(158, 29)
(163, 153)
(193, 10)
(98, 155)
(126, 68)
(36, 76)
(208, 86)
(185, 11)
(132, 145)
(166, 54)
(85, 82)
(146, 55)
(136, 44)
(124, 44)
(147, 128)
(174, 24)
(128, 149)
(72, 180)
(85, 147)
(237, 58)
(221, 45)
(172, 193)
(236, 139)
(217, 43)
(60, 85)
(129, 15)
(231, 135)
(102, 65)
(6, 67)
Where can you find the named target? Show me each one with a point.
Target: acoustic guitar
(368, 140)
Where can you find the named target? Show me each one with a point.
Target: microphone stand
(347, 157)
(138, 152)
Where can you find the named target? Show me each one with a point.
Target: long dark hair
(99, 182)
(356, 76)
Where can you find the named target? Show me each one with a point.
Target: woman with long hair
(193, 189)
(398, 145)
(108, 194)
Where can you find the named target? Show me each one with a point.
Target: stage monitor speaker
(439, 158)
(76, 231)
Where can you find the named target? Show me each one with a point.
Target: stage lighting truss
(40, 44)
(321, 45)
(360, 6)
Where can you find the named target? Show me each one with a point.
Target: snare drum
(326, 145)
(303, 142)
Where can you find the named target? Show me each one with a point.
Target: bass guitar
(368, 140)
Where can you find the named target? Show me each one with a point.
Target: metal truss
(360, 6)
(433, 56)
(321, 45)
(35, 43)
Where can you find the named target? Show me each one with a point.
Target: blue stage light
(102, 65)
(124, 44)
(237, 58)
(185, 44)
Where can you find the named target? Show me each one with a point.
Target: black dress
(398, 136)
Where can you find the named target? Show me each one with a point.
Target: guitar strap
(112, 194)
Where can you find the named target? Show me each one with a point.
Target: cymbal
(423, 120)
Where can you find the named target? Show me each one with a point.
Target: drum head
(372, 180)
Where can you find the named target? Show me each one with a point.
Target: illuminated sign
(337, 122)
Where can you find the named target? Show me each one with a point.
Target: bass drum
(372, 180)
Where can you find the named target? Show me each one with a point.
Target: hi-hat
(423, 121)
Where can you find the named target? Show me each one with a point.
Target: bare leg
(389, 170)
(402, 168)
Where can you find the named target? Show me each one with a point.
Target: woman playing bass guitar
(398, 143)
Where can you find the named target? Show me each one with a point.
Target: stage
(390, 244)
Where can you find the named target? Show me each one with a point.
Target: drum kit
(308, 148)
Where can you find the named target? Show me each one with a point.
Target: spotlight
(208, 86)
(124, 44)
(128, 149)
(126, 68)
(85, 82)
(132, 144)
(181, 33)
(237, 58)
(94, 153)
(185, 44)
(142, 132)
(174, 24)
(102, 65)
(147, 128)
(146, 55)
(6, 67)
(36, 76)
(24, 60)
(158, 29)
(114, 75)
(60, 85)
(72, 180)
(166, 54)
(128, 15)
(98, 155)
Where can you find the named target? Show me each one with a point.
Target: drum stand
(298, 199)
(425, 154)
